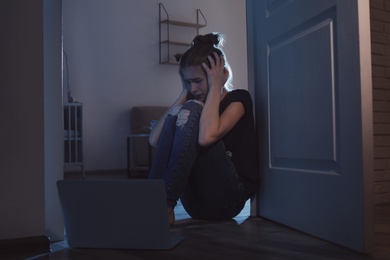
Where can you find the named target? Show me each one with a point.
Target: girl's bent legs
(177, 150)
(214, 190)
(159, 163)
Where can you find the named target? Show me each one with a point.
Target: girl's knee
(182, 117)
(189, 109)
(193, 104)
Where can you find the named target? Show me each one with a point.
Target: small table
(130, 159)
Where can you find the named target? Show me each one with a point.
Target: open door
(310, 74)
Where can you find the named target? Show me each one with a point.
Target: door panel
(303, 136)
(308, 101)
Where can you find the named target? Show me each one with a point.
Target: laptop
(116, 214)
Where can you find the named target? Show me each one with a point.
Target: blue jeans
(204, 178)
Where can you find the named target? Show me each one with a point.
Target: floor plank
(241, 238)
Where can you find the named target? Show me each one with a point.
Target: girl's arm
(213, 126)
(173, 110)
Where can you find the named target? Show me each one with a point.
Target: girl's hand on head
(216, 74)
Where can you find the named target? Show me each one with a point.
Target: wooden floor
(242, 238)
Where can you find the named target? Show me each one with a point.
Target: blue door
(310, 75)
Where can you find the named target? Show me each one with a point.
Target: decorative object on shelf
(166, 44)
(177, 56)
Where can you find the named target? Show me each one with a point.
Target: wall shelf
(186, 44)
(167, 46)
(184, 24)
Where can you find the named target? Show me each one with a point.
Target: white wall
(112, 46)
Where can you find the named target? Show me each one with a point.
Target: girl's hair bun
(211, 39)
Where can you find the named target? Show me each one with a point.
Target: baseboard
(24, 246)
(115, 173)
(110, 174)
(107, 172)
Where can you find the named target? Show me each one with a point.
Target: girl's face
(195, 82)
